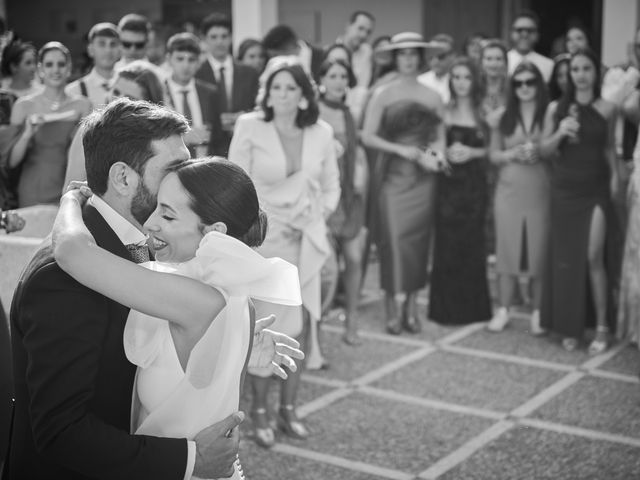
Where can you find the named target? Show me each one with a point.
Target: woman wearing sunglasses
(579, 136)
(521, 203)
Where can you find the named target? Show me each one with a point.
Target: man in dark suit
(197, 100)
(237, 84)
(72, 382)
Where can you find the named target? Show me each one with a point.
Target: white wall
(320, 22)
(619, 24)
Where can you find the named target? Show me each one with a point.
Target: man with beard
(73, 384)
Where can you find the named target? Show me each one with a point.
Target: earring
(303, 104)
(322, 89)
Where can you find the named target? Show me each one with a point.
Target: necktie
(139, 253)
(222, 85)
(186, 111)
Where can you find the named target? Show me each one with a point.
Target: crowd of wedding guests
(438, 157)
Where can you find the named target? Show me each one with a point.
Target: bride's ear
(220, 227)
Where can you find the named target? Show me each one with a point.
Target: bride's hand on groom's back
(217, 448)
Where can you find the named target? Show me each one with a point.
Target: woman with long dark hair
(459, 290)
(521, 204)
(347, 222)
(579, 138)
(559, 76)
(290, 155)
(18, 68)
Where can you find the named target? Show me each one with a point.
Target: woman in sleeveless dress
(190, 330)
(50, 119)
(290, 155)
(403, 122)
(521, 201)
(347, 222)
(459, 290)
(579, 138)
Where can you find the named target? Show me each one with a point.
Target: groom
(73, 383)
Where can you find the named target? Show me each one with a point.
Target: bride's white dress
(171, 402)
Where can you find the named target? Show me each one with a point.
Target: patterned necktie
(139, 253)
(186, 110)
(222, 85)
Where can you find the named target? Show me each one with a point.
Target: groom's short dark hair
(122, 132)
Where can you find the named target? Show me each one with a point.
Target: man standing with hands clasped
(72, 381)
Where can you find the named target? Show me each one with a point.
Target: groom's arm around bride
(73, 387)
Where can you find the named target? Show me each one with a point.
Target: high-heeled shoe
(264, 434)
(601, 341)
(569, 344)
(289, 423)
(394, 322)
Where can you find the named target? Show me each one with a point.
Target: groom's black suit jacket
(73, 383)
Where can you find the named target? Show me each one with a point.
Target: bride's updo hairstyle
(221, 191)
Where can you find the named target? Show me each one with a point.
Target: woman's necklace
(55, 104)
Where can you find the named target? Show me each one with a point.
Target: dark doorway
(178, 12)
(556, 16)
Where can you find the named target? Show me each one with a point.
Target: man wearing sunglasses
(437, 78)
(524, 36)
(134, 30)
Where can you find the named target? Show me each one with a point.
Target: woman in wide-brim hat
(403, 123)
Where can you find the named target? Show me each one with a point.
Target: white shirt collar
(177, 88)
(216, 64)
(94, 77)
(125, 230)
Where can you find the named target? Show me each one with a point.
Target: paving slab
(388, 434)
(527, 453)
(348, 362)
(261, 464)
(516, 340)
(470, 381)
(598, 404)
(626, 362)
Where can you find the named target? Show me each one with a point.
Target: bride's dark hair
(221, 191)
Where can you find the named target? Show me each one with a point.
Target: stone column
(252, 18)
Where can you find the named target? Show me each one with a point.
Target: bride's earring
(303, 104)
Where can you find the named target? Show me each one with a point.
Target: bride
(192, 362)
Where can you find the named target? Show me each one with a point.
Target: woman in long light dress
(291, 157)
(190, 330)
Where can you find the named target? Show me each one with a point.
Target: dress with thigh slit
(579, 184)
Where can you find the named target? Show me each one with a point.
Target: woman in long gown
(290, 155)
(403, 122)
(579, 137)
(628, 324)
(521, 202)
(50, 119)
(190, 327)
(347, 222)
(459, 290)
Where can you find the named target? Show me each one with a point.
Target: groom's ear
(220, 227)
(121, 178)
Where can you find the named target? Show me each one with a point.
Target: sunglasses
(529, 82)
(527, 30)
(136, 45)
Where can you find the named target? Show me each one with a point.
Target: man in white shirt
(355, 38)
(524, 37)
(437, 78)
(198, 101)
(237, 84)
(104, 49)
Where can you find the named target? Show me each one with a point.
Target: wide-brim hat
(411, 40)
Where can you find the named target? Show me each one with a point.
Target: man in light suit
(197, 100)
(72, 381)
(237, 84)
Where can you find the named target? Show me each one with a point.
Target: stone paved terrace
(459, 403)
